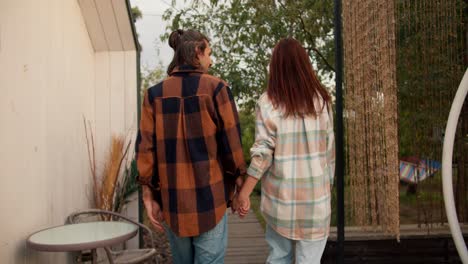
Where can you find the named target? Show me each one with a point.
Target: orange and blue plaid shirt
(189, 149)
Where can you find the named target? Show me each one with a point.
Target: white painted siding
(50, 77)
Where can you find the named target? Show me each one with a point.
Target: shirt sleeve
(229, 133)
(265, 141)
(146, 145)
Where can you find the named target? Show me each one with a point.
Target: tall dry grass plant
(104, 185)
(111, 171)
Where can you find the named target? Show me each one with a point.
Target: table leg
(93, 256)
(109, 255)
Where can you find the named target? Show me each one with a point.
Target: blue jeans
(281, 249)
(206, 248)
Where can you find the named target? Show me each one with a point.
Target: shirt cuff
(258, 166)
(145, 181)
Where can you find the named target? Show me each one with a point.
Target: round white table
(82, 236)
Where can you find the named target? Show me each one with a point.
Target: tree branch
(314, 48)
(311, 37)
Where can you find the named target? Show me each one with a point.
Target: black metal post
(138, 72)
(140, 192)
(340, 165)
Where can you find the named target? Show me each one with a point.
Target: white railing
(447, 168)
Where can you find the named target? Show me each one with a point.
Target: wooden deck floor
(246, 241)
(247, 245)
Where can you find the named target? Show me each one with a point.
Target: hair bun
(174, 38)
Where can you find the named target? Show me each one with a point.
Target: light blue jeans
(207, 248)
(281, 249)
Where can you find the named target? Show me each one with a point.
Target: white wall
(50, 77)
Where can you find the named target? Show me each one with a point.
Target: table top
(81, 236)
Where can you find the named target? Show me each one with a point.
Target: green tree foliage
(136, 13)
(243, 33)
(247, 123)
(431, 60)
(151, 77)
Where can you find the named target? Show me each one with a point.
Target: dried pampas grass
(104, 190)
(111, 172)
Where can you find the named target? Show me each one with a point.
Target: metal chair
(127, 256)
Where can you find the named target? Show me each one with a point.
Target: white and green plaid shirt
(295, 159)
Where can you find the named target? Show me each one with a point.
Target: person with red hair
(294, 156)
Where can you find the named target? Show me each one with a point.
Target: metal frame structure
(339, 138)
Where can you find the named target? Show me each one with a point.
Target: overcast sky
(150, 27)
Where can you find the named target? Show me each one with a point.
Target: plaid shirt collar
(187, 69)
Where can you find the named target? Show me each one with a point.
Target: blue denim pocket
(210, 247)
(218, 230)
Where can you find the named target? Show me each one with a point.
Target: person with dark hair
(189, 153)
(294, 155)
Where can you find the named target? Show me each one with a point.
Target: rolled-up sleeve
(264, 147)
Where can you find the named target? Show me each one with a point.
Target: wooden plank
(131, 94)
(93, 25)
(246, 244)
(102, 106)
(131, 122)
(240, 243)
(406, 232)
(417, 250)
(109, 24)
(123, 24)
(246, 240)
(117, 92)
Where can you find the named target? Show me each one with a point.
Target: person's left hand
(239, 183)
(241, 204)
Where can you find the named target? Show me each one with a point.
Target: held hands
(241, 201)
(153, 210)
(241, 204)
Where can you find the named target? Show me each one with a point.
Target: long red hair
(293, 84)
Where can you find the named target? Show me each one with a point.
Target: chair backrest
(103, 215)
